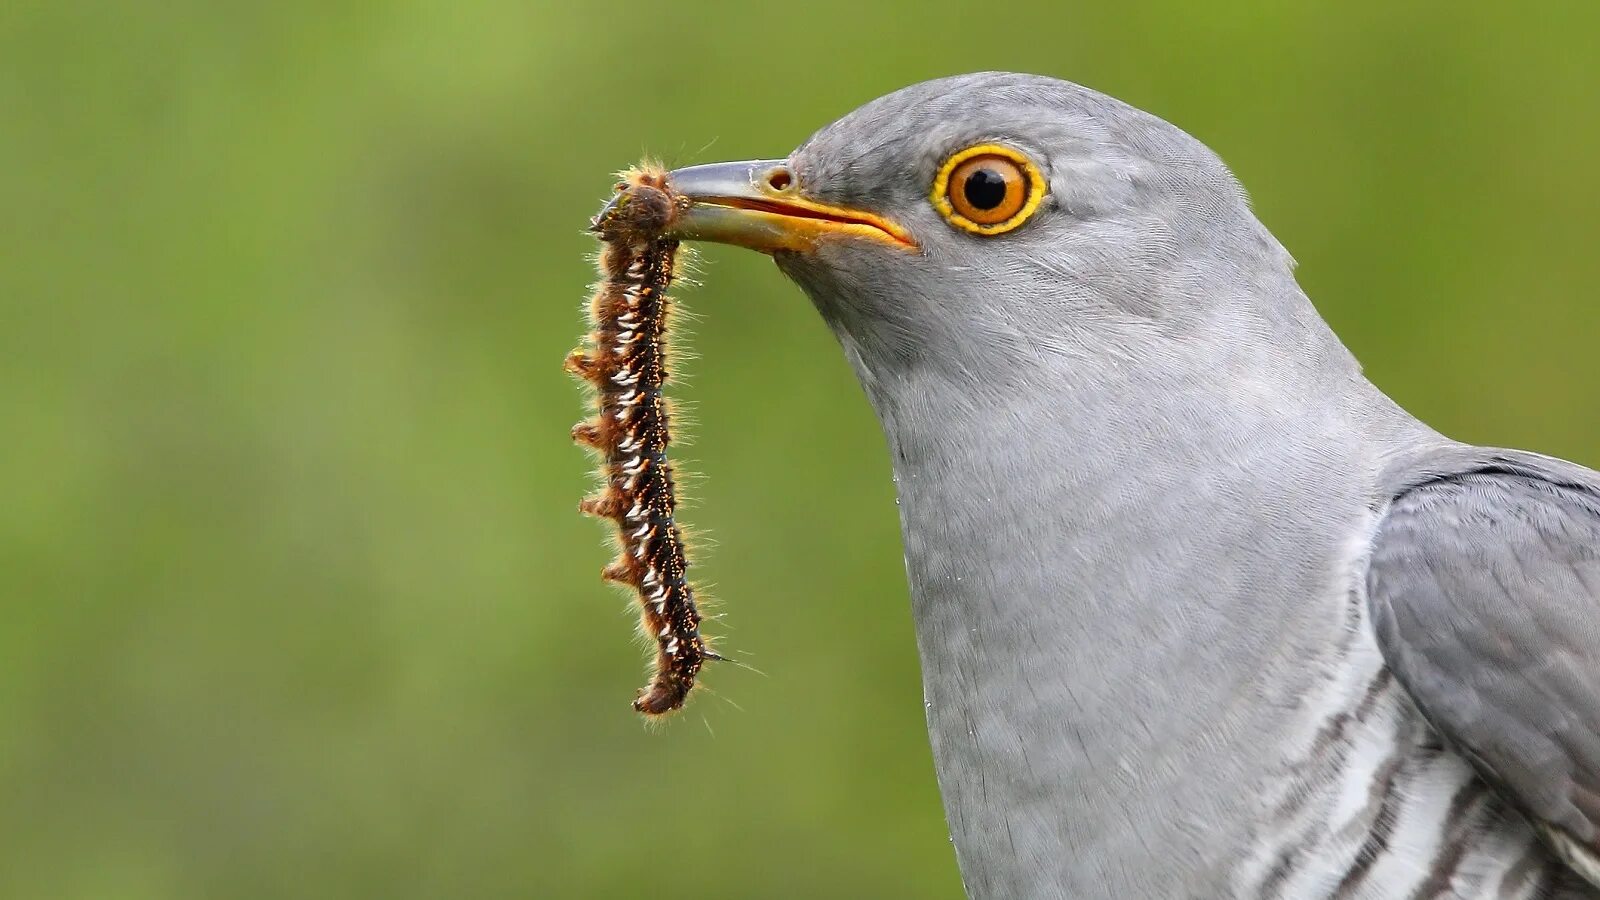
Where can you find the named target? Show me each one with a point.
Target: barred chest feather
(1371, 805)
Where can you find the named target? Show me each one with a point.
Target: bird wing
(1484, 587)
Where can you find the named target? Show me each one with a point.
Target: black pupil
(985, 189)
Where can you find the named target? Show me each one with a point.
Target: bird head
(968, 224)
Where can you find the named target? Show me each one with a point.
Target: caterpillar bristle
(605, 506)
(580, 363)
(620, 572)
(588, 434)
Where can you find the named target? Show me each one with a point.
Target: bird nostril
(780, 179)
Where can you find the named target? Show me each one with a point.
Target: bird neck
(1112, 566)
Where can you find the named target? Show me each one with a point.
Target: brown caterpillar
(626, 361)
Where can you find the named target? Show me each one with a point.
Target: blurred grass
(294, 600)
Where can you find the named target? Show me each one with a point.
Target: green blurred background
(296, 601)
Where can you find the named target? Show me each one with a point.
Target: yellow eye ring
(987, 189)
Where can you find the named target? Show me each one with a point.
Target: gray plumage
(1483, 584)
(1201, 612)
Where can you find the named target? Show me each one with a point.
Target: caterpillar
(625, 360)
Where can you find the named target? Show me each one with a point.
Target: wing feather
(1484, 587)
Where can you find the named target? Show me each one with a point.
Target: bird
(1201, 611)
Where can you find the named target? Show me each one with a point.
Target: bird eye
(987, 189)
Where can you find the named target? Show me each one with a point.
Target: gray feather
(1485, 594)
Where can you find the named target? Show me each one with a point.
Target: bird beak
(760, 204)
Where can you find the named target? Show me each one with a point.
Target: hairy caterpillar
(626, 362)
